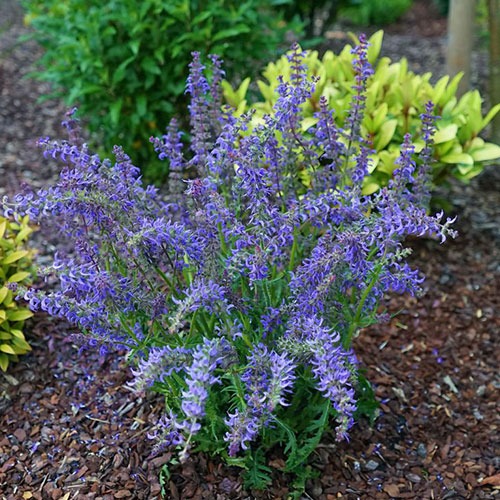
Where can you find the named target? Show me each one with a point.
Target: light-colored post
(494, 28)
(460, 40)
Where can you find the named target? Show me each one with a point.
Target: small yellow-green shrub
(15, 267)
(395, 100)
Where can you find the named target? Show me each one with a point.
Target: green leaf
(141, 105)
(134, 46)
(490, 115)
(20, 345)
(23, 235)
(17, 333)
(4, 362)
(3, 227)
(488, 152)
(7, 349)
(385, 134)
(370, 186)
(149, 65)
(231, 32)
(3, 293)
(18, 277)
(375, 44)
(19, 315)
(307, 123)
(119, 73)
(458, 158)
(446, 133)
(14, 257)
(115, 110)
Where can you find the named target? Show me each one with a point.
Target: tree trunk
(494, 28)
(460, 39)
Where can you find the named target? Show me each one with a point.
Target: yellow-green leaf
(385, 134)
(5, 335)
(445, 134)
(4, 361)
(7, 348)
(488, 152)
(375, 43)
(370, 186)
(19, 315)
(17, 333)
(20, 345)
(308, 122)
(490, 115)
(23, 234)
(458, 158)
(18, 277)
(14, 256)
(3, 293)
(3, 227)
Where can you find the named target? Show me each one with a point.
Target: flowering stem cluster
(238, 298)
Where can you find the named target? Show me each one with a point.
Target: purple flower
(268, 378)
(333, 368)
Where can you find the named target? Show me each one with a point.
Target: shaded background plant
(320, 15)
(239, 300)
(125, 61)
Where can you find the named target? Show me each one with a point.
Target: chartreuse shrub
(15, 268)
(395, 99)
(239, 297)
(124, 62)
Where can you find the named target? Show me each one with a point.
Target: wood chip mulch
(70, 428)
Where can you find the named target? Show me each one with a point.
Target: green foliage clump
(15, 268)
(124, 62)
(361, 12)
(368, 12)
(308, 12)
(394, 102)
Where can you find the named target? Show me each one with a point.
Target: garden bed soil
(70, 428)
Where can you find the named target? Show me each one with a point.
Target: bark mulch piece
(70, 428)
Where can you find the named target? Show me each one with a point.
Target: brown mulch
(70, 428)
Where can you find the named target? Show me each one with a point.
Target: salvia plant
(395, 99)
(239, 295)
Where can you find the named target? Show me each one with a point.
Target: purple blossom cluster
(233, 281)
(269, 376)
